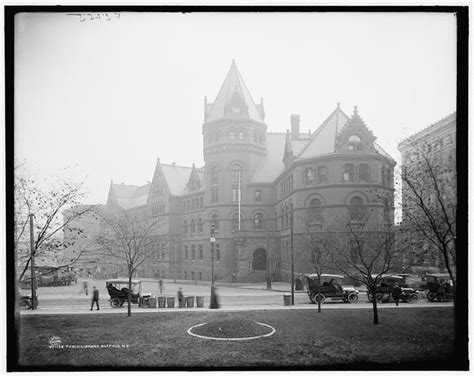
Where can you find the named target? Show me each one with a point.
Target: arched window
(291, 215)
(314, 211)
(348, 172)
(364, 174)
(258, 221)
(199, 226)
(218, 252)
(185, 227)
(357, 209)
(255, 137)
(192, 227)
(286, 216)
(232, 135)
(235, 222)
(322, 174)
(236, 174)
(215, 221)
(214, 175)
(241, 134)
(355, 143)
(308, 176)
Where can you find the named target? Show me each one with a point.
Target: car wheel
(379, 297)
(311, 297)
(370, 297)
(431, 296)
(414, 297)
(115, 303)
(319, 298)
(352, 298)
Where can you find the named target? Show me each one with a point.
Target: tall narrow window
(357, 209)
(185, 227)
(193, 252)
(322, 174)
(241, 134)
(355, 143)
(258, 221)
(364, 175)
(218, 252)
(214, 195)
(308, 176)
(199, 226)
(192, 227)
(348, 172)
(314, 212)
(215, 221)
(185, 252)
(200, 252)
(258, 195)
(214, 175)
(236, 174)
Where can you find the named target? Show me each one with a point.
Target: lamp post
(292, 261)
(213, 304)
(32, 265)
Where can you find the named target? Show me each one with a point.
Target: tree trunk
(129, 300)
(374, 308)
(319, 292)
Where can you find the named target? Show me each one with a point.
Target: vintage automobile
(26, 301)
(118, 291)
(433, 284)
(385, 287)
(331, 287)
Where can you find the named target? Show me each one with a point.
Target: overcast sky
(111, 96)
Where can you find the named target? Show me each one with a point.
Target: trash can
(152, 302)
(162, 302)
(199, 301)
(170, 302)
(190, 301)
(286, 299)
(182, 303)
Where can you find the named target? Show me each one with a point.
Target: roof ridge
(436, 123)
(175, 165)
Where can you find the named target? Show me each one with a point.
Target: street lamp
(213, 304)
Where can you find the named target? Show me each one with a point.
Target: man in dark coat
(396, 293)
(95, 298)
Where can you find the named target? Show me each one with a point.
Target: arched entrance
(259, 259)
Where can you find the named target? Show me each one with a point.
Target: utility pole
(32, 265)
(292, 262)
(213, 304)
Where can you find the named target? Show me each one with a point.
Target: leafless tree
(45, 200)
(429, 201)
(127, 236)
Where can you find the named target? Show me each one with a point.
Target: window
(199, 226)
(214, 175)
(185, 227)
(348, 173)
(214, 195)
(192, 227)
(355, 143)
(386, 210)
(322, 174)
(215, 222)
(314, 211)
(258, 195)
(235, 221)
(232, 135)
(193, 252)
(308, 176)
(185, 252)
(241, 135)
(236, 175)
(364, 174)
(357, 210)
(235, 194)
(200, 252)
(258, 221)
(218, 252)
(200, 276)
(185, 275)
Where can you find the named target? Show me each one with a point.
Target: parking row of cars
(331, 286)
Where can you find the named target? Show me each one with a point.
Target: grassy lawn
(405, 339)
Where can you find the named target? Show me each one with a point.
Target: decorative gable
(355, 136)
(288, 156)
(158, 188)
(194, 183)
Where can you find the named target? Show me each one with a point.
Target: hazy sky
(113, 96)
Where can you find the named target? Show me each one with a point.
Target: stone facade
(251, 184)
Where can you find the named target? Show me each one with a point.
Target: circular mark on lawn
(197, 327)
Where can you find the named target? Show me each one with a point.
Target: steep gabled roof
(233, 91)
(177, 178)
(323, 140)
(128, 196)
(195, 181)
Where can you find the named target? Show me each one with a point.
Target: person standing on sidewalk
(95, 298)
(180, 298)
(396, 293)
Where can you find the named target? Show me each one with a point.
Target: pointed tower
(234, 135)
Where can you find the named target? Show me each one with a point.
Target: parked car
(385, 287)
(26, 301)
(331, 287)
(434, 285)
(118, 292)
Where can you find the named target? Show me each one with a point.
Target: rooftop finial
(355, 110)
(338, 104)
(233, 61)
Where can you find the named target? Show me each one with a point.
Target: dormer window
(355, 143)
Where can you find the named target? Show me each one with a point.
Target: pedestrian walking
(95, 298)
(180, 298)
(84, 288)
(441, 293)
(160, 282)
(396, 293)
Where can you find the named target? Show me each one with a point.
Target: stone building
(252, 184)
(433, 146)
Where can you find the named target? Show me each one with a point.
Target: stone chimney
(295, 126)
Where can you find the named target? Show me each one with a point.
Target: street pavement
(232, 297)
